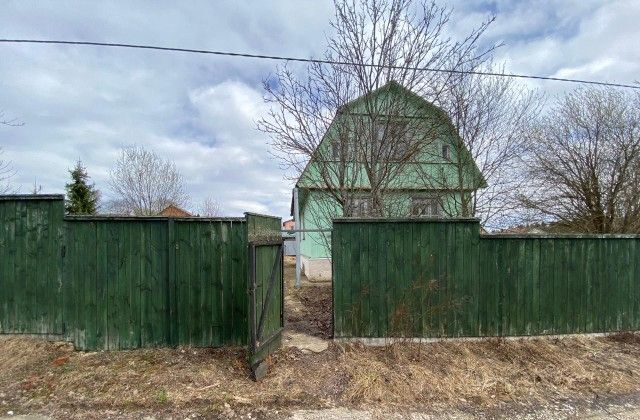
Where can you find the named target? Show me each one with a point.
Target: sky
(200, 111)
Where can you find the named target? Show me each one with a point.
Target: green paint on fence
(265, 239)
(121, 282)
(31, 265)
(416, 278)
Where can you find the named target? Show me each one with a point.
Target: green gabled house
(406, 145)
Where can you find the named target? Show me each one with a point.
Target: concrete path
(304, 342)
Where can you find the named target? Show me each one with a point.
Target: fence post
(171, 284)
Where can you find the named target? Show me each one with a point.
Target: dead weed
(36, 374)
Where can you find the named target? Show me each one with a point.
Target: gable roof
(393, 86)
(174, 211)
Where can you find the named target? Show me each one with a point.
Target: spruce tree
(82, 197)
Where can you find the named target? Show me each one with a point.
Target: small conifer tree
(82, 197)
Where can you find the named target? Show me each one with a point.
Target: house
(288, 237)
(437, 181)
(174, 211)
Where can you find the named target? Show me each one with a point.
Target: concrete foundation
(316, 268)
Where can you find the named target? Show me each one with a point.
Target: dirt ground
(545, 378)
(307, 309)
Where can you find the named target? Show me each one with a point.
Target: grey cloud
(200, 111)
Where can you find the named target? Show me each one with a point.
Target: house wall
(427, 172)
(319, 210)
(316, 214)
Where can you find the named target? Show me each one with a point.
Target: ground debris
(308, 309)
(480, 375)
(488, 376)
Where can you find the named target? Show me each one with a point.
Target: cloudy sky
(87, 103)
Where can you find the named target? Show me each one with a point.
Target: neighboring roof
(524, 229)
(390, 86)
(16, 197)
(174, 211)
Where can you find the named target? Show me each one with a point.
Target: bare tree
(143, 183)
(366, 144)
(584, 162)
(490, 115)
(6, 174)
(209, 208)
(10, 122)
(6, 168)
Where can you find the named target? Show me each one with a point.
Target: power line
(317, 61)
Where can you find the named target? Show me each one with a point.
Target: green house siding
(427, 174)
(427, 170)
(313, 216)
(320, 209)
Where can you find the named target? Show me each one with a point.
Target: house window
(337, 147)
(380, 133)
(359, 206)
(446, 154)
(335, 150)
(425, 206)
(392, 139)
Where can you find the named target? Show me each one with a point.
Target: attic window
(335, 150)
(337, 146)
(446, 153)
(392, 138)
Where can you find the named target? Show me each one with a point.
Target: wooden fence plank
(515, 285)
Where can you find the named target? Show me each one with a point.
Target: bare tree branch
(6, 174)
(490, 115)
(366, 145)
(10, 122)
(144, 184)
(584, 162)
(209, 208)
(6, 167)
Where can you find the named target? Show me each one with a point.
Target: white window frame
(336, 149)
(446, 151)
(426, 206)
(362, 203)
(384, 130)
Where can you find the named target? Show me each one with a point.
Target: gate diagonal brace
(265, 307)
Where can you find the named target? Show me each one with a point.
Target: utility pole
(296, 216)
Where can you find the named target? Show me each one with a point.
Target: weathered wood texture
(267, 296)
(416, 278)
(31, 231)
(119, 283)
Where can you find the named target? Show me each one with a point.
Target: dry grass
(39, 376)
(493, 371)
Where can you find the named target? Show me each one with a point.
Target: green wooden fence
(416, 278)
(266, 287)
(150, 283)
(122, 282)
(31, 231)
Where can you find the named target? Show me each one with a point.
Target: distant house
(410, 195)
(174, 211)
(289, 224)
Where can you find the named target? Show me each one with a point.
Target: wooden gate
(266, 290)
